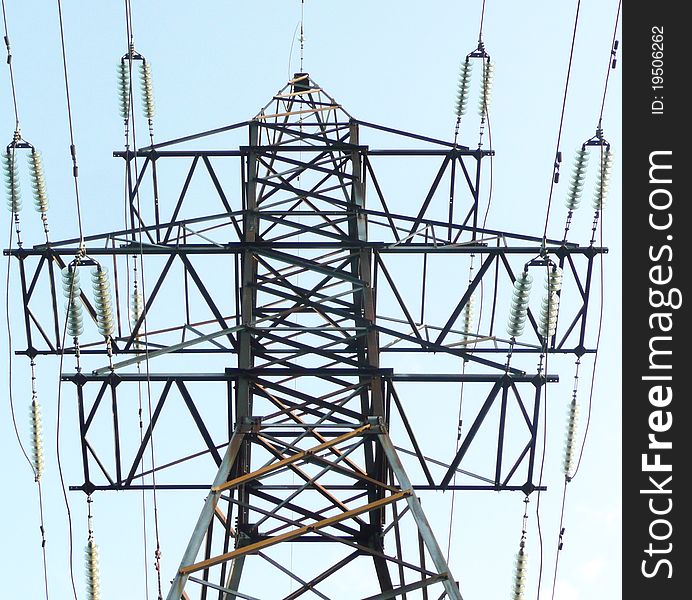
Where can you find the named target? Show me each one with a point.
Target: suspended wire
(611, 64)
(490, 178)
(461, 105)
(468, 315)
(589, 409)
(562, 119)
(10, 395)
(157, 552)
(36, 464)
(10, 366)
(37, 447)
(91, 552)
(480, 27)
(59, 461)
(42, 528)
(9, 64)
(465, 79)
(571, 430)
(553, 286)
(14, 202)
(606, 153)
(562, 532)
(520, 565)
(553, 181)
(136, 307)
(73, 149)
(540, 475)
(454, 477)
(595, 362)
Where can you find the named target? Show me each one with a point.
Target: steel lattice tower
(265, 318)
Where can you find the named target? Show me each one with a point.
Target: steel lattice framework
(275, 314)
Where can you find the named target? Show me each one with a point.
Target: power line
(554, 175)
(36, 464)
(73, 149)
(9, 64)
(131, 45)
(59, 461)
(611, 62)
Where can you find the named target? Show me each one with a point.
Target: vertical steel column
(248, 300)
(416, 509)
(205, 516)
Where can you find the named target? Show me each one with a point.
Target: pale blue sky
(393, 63)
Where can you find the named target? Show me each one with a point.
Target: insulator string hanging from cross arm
(468, 317)
(486, 87)
(576, 184)
(37, 178)
(463, 87)
(136, 309)
(38, 181)
(520, 303)
(551, 302)
(604, 169)
(72, 291)
(102, 301)
(123, 75)
(91, 563)
(571, 438)
(596, 144)
(520, 572)
(14, 196)
(125, 87)
(91, 560)
(147, 90)
(37, 454)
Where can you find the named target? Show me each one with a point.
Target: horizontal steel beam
(301, 148)
(205, 486)
(239, 247)
(385, 373)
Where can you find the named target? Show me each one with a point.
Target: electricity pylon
(270, 316)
